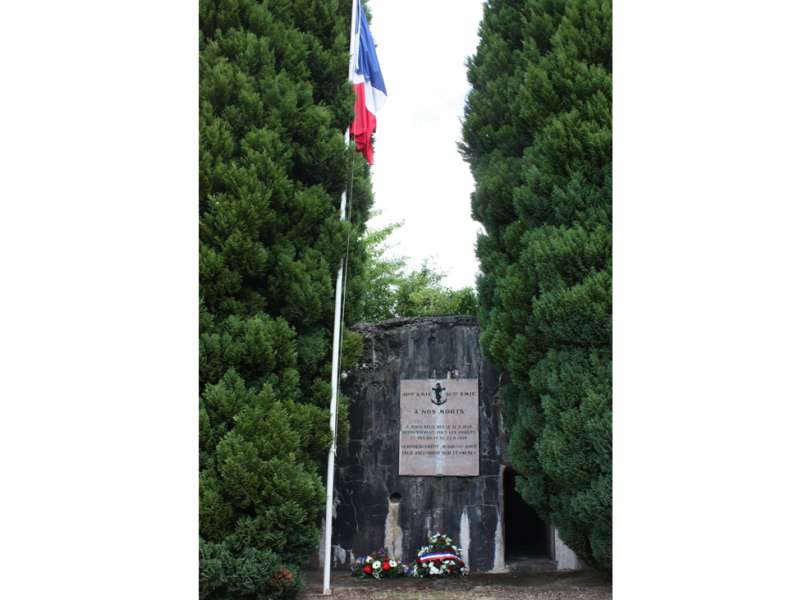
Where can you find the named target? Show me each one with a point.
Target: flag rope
(349, 202)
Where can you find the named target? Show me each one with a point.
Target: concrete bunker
(375, 506)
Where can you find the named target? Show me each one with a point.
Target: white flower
(392, 564)
(434, 570)
(376, 565)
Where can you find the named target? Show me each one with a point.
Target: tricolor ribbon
(440, 556)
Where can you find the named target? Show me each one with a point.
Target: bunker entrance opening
(527, 535)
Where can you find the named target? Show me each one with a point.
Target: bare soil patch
(583, 585)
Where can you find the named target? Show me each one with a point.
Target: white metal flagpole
(337, 324)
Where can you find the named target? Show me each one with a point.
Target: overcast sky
(418, 175)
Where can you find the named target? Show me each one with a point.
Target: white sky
(418, 176)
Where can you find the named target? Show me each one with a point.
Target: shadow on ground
(582, 585)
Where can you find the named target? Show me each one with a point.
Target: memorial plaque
(439, 427)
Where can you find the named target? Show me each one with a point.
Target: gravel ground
(584, 585)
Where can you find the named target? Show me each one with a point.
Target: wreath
(440, 558)
(378, 565)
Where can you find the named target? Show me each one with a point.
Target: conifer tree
(537, 136)
(274, 102)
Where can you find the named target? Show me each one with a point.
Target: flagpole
(337, 325)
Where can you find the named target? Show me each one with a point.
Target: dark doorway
(527, 535)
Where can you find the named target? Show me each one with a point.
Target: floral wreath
(439, 558)
(378, 565)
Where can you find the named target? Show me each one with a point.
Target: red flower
(367, 569)
(385, 565)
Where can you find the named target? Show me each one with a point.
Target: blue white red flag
(368, 85)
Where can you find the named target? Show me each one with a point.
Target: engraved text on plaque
(439, 427)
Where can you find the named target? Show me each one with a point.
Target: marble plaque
(439, 427)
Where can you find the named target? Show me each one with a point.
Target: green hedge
(537, 135)
(274, 103)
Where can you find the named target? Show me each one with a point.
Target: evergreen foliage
(537, 136)
(274, 102)
(397, 291)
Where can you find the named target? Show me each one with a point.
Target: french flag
(368, 85)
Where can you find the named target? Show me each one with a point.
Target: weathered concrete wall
(565, 558)
(469, 509)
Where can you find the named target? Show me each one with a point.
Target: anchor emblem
(439, 396)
